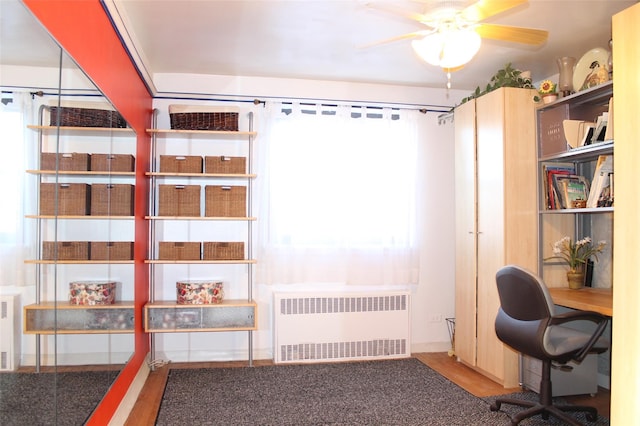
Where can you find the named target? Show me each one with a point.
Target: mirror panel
(66, 350)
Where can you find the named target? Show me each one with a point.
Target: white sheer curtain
(17, 153)
(336, 193)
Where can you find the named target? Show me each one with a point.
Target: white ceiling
(320, 39)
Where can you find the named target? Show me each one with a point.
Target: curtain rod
(322, 102)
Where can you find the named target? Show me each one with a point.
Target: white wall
(433, 297)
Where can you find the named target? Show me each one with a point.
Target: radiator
(311, 327)
(10, 332)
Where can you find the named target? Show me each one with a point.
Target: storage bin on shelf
(180, 164)
(179, 200)
(92, 292)
(212, 250)
(225, 201)
(86, 117)
(111, 250)
(198, 117)
(112, 163)
(73, 198)
(70, 161)
(224, 164)
(178, 250)
(112, 199)
(65, 250)
(199, 292)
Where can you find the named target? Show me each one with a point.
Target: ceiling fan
(455, 29)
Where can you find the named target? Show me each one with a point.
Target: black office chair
(526, 322)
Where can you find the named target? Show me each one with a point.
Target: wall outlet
(435, 318)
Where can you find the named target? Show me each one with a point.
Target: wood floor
(145, 410)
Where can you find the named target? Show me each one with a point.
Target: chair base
(535, 408)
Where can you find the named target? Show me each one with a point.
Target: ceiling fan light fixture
(448, 49)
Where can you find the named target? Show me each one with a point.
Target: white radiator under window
(311, 327)
(9, 332)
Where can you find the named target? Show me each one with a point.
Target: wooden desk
(587, 299)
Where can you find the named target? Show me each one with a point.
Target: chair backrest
(526, 308)
(523, 295)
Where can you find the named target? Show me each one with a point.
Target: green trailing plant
(505, 77)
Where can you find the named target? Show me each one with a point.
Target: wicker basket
(223, 250)
(92, 292)
(171, 250)
(111, 250)
(78, 162)
(180, 164)
(179, 200)
(73, 198)
(66, 250)
(112, 163)
(222, 164)
(225, 201)
(185, 117)
(199, 292)
(112, 199)
(86, 117)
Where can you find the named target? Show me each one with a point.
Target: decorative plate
(591, 70)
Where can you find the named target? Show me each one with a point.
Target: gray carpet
(395, 392)
(29, 399)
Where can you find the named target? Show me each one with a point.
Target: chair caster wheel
(495, 406)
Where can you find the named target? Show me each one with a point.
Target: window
(339, 194)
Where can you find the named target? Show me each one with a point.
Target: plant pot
(549, 97)
(575, 279)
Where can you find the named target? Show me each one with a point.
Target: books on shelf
(601, 194)
(552, 194)
(570, 188)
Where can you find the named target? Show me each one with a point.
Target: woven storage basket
(112, 199)
(180, 164)
(67, 250)
(185, 117)
(75, 161)
(73, 198)
(199, 292)
(111, 250)
(172, 250)
(222, 164)
(225, 201)
(112, 163)
(223, 250)
(179, 200)
(86, 117)
(92, 292)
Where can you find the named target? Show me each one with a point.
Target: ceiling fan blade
(484, 9)
(512, 34)
(415, 34)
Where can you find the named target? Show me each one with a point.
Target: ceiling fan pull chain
(448, 80)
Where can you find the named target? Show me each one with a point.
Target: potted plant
(505, 77)
(548, 91)
(576, 254)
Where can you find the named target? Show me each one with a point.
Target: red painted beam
(86, 33)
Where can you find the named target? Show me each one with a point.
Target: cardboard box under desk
(72, 199)
(112, 199)
(225, 201)
(180, 164)
(111, 250)
(112, 162)
(71, 161)
(179, 200)
(174, 250)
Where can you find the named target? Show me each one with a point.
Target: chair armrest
(599, 319)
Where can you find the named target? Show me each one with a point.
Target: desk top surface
(587, 299)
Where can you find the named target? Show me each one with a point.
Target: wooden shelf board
(187, 262)
(76, 217)
(80, 173)
(78, 262)
(82, 129)
(202, 132)
(203, 175)
(66, 305)
(199, 218)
